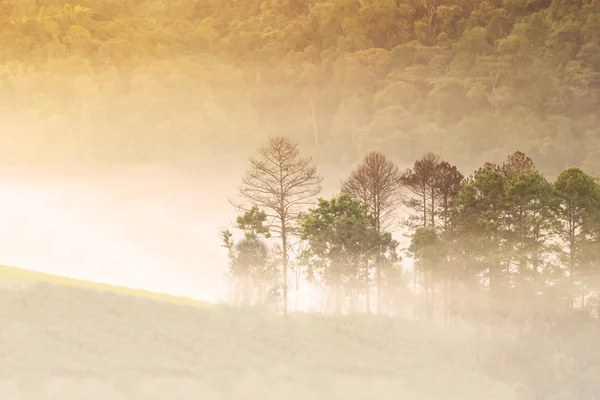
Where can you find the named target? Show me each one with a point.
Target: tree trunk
(261, 292)
(378, 277)
(338, 298)
(432, 207)
(424, 209)
(426, 292)
(314, 123)
(571, 262)
(297, 278)
(432, 304)
(246, 298)
(415, 303)
(451, 297)
(284, 263)
(446, 301)
(367, 290)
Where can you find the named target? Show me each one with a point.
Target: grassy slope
(21, 278)
(60, 326)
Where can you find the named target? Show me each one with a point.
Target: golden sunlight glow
(101, 232)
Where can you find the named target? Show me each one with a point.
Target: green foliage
(426, 247)
(252, 223)
(344, 242)
(339, 235)
(250, 263)
(113, 81)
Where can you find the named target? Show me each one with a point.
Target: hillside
(67, 341)
(18, 279)
(184, 81)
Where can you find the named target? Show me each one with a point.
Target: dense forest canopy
(143, 80)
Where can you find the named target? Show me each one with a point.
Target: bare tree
(282, 183)
(376, 182)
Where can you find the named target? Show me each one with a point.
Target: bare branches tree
(377, 183)
(282, 183)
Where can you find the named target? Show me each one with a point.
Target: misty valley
(304, 199)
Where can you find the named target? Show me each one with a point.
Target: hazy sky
(142, 228)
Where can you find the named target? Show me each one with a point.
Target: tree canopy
(155, 80)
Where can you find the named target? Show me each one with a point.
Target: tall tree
(248, 259)
(578, 203)
(376, 182)
(448, 181)
(591, 258)
(527, 225)
(283, 183)
(479, 221)
(426, 247)
(420, 182)
(434, 184)
(341, 240)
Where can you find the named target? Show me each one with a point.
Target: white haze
(158, 229)
(146, 228)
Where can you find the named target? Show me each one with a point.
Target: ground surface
(62, 339)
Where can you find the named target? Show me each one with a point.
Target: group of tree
(339, 242)
(503, 244)
(150, 79)
(530, 243)
(504, 250)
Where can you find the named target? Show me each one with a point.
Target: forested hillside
(140, 80)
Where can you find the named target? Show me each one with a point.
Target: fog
(141, 227)
(127, 128)
(83, 344)
(157, 228)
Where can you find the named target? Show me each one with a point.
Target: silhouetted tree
(448, 181)
(578, 196)
(480, 224)
(249, 259)
(376, 182)
(426, 246)
(420, 182)
(341, 241)
(282, 183)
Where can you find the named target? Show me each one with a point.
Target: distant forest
(141, 80)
